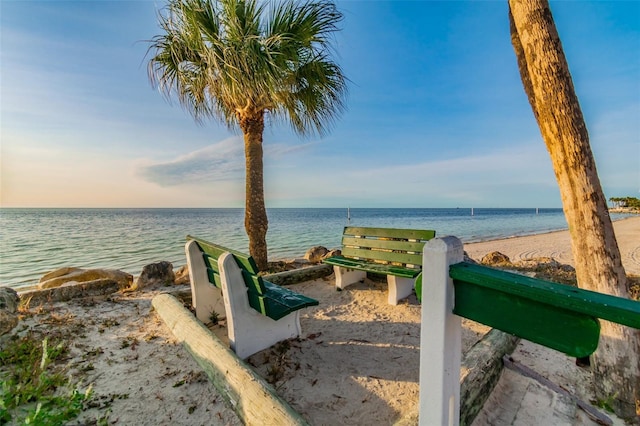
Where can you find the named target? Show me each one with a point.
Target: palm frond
(222, 58)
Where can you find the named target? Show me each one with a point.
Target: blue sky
(436, 112)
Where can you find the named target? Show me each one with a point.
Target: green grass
(214, 317)
(35, 389)
(606, 404)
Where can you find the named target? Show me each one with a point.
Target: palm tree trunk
(549, 87)
(255, 219)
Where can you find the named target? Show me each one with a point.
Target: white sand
(357, 362)
(139, 374)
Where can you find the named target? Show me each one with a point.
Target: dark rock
(182, 275)
(316, 254)
(537, 262)
(495, 258)
(547, 268)
(155, 273)
(334, 252)
(9, 301)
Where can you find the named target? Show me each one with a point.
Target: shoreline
(509, 247)
(557, 244)
(532, 233)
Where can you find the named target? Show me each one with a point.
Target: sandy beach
(356, 363)
(558, 246)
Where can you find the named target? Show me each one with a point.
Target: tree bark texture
(549, 87)
(255, 218)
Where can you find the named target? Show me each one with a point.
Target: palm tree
(238, 61)
(547, 82)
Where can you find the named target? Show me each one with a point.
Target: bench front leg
(345, 276)
(399, 288)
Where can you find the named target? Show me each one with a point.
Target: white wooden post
(205, 297)
(440, 335)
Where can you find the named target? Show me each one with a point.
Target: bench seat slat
(379, 268)
(278, 302)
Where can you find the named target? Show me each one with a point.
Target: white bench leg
(205, 297)
(345, 276)
(440, 335)
(399, 288)
(250, 331)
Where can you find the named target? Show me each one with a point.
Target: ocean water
(36, 241)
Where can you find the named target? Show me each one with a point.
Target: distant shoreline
(624, 210)
(557, 244)
(534, 233)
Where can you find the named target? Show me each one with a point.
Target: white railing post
(440, 335)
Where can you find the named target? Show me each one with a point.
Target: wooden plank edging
(479, 373)
(100, 287)
(254, 400)
(299, 275)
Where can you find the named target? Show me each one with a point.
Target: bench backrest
(386, 245)
(555, 315)
(266, 298)
(211, 252)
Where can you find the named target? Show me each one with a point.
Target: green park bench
(259, 313)
(557, 316)
(396, 253)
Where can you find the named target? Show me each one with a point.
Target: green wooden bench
(259, 313)
(396, 253)
(558, 316)
(555, 315)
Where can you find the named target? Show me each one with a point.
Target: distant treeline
(625, 202)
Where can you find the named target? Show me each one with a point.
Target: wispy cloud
(222, 161)
(275, 151)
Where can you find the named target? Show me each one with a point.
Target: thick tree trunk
(255, 219)
(548, 84)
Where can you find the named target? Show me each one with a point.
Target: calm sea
(35, 241)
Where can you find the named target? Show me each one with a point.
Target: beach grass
(35, 388)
